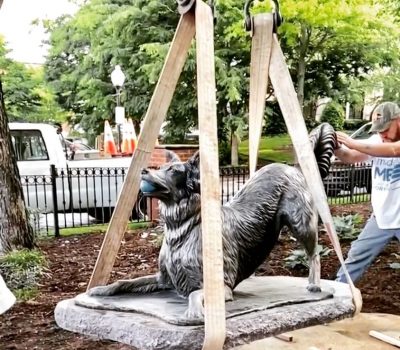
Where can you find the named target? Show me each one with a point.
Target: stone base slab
(144, 331)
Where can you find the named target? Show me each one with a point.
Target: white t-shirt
(385, 195)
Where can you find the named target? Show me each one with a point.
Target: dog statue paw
(195, 310)
(313, 288)
(102, 291)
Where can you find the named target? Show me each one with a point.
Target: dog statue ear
(171, 156)
(193, 178)
(195, 160)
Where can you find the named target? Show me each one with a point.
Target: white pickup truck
(81, 185)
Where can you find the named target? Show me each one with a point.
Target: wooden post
(260, 57)
(155, 115)
(213, 283)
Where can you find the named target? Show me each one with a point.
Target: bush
(334, 115)
(298, 258)
(346, 226)
(22, 271)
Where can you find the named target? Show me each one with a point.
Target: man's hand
(344, 139)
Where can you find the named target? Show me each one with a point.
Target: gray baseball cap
(383, 116)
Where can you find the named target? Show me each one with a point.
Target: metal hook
(248, 22)
(185, 6)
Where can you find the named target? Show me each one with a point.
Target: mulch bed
(30, 325)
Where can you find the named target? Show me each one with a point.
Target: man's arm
(347, 155)
(357, 148)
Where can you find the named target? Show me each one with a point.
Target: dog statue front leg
(314, 276)
(144, 284)
(195, 310)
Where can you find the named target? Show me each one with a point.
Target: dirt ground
(30, 325)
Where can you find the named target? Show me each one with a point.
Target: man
(384, 151)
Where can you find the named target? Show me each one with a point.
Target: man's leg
(364, 249)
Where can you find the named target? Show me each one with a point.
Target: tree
(26, 96)
(325, 42)
(330, 40)
(15, 230)
(136, 35)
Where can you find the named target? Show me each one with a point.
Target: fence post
(352, 182)
(53, 173)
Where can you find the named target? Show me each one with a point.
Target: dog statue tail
(323, 141)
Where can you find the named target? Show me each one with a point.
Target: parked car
(349, 177)
(82, 184)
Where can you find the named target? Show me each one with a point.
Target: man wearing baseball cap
(384, 151)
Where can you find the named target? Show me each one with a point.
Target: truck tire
(102, 215)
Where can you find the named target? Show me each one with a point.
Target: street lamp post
(118, 79)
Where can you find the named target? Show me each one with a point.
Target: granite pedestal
(262, 306)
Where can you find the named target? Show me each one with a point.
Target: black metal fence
(76, 197)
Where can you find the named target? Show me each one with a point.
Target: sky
(23, 38)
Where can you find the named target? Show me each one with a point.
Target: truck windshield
(29, 145)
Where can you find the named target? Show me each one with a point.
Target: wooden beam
(290, 107)
(387, 338)
(155, 115)
(213, 283)
(260, 57)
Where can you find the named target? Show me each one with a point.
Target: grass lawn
(272, 149)
(65, 232)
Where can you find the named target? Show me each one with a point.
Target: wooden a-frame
(201, 24)
(267, 58)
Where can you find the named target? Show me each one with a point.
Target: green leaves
(346, 226)
(298, 258)
(330, 47)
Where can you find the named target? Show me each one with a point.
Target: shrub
(22, 271)
(334, 115)
(345, 226)
(298, 257)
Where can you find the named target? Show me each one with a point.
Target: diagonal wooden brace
(155, 115)
(260, 57)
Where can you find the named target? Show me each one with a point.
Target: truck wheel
(102, 215)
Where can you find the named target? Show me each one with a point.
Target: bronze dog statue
(275, 196)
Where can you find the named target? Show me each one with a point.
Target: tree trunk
(234, 149)
(301, 67)
(15, 229)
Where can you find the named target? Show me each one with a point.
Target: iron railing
(77, 197)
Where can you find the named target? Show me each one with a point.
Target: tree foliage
(26, 96)
(333, 114)
(326, 43)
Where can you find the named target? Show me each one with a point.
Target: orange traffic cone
(109, 144)
(126, 147)
(132, 135)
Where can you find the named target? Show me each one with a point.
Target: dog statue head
(173, 181)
